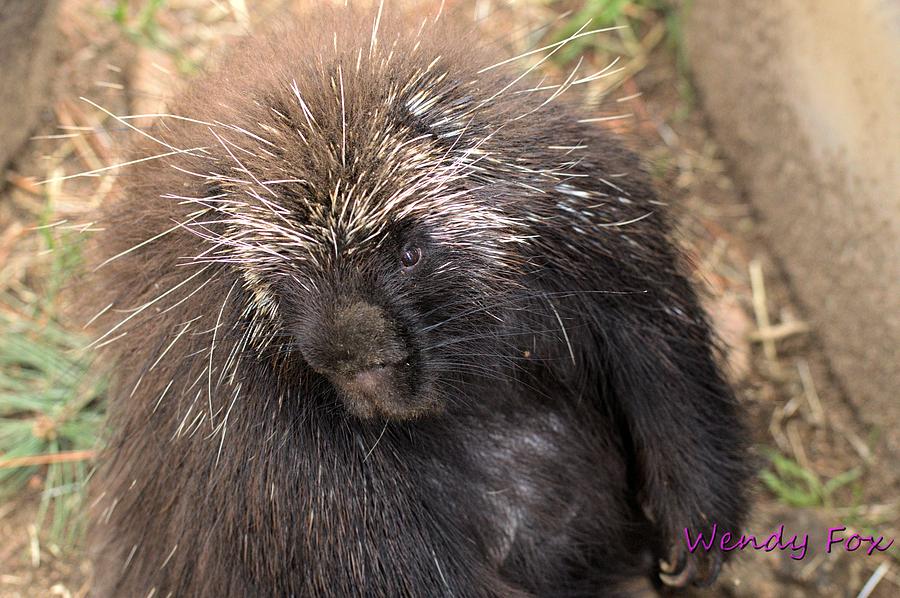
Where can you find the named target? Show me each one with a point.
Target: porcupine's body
(391, 326)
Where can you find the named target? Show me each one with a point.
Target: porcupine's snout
(358, 348)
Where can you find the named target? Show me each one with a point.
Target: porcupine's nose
(355, 345)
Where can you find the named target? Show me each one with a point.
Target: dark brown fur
(540, 411)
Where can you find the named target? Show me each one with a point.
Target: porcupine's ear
(687, 437)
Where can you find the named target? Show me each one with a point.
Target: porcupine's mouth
(383, 390)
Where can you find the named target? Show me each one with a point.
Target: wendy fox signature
(777, 540)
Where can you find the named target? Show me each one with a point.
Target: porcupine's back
(258, 160)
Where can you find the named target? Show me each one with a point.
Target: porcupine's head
(362, 187)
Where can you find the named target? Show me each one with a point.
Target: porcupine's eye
(410, 256)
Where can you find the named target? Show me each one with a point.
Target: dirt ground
(796, 408)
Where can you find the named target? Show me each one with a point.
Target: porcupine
(388, 319)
